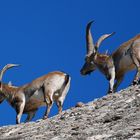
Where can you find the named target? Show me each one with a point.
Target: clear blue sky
(45, 36)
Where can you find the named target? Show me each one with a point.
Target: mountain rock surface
(112, 117)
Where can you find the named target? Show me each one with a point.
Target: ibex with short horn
(114, 66)
(43, 91)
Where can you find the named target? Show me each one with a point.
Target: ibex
(114, 66)
(42, 91)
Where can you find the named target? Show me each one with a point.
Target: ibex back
(43, 91)
(114, 66)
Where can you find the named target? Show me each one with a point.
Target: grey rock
(112, 117)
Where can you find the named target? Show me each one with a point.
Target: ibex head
(8, 66)
(92, 50)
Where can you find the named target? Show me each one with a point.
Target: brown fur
(125, 58)
(125, 45)
(21, 98)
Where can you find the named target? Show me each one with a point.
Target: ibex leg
(118, 82)
(111, 79)
(30, 116)
(59, 105)
(19, 109)
(49, 102)
(137, 64)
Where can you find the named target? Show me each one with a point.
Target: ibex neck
(104, 63)
(101, 58)
(8, 91)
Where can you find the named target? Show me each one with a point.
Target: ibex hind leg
(136, 80)
(137, 64)
(59, 105)
(60, 100)
(30, 116)
(49, 102)
(63, 94)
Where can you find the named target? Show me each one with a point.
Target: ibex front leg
(111, 80)
(20, 103)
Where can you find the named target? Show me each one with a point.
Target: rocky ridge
(112, 117)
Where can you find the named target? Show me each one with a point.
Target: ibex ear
(101, 39)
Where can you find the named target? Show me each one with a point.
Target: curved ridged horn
(8, 66)
(89, 40)
(102, 38)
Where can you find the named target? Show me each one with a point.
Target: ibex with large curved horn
(43, 91)
(114, 66)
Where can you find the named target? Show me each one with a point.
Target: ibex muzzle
(88, 67)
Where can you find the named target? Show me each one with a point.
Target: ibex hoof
(45, 117)
(110, 92)
(135, 82)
